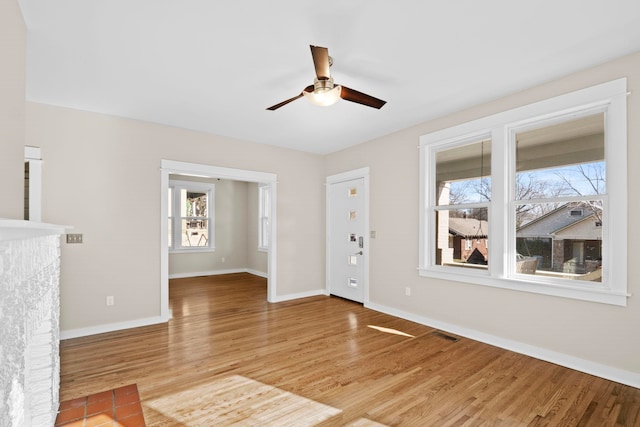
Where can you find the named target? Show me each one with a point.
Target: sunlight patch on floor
(363, 422)
(390, 331)
(237, 400)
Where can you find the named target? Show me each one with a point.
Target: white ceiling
(215, 66)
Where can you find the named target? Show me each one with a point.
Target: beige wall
(600, 333)
(12, 109)
(100, 170)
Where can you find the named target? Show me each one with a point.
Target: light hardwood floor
(230, 358)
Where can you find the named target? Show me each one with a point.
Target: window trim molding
(262, 189)
(610, 97)
(210, 189)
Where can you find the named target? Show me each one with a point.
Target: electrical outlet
(110, 300)
(223, 259)
(74, 238)
(407, 291)
(372, 234)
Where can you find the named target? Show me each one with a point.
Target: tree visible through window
(531, 196)
(564, 167)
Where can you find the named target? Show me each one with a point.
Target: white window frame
(264, 200)
(176, 226)
(608, 97)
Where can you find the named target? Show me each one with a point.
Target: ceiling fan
(324, 91)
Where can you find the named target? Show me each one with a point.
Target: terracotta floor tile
(100, 420)
(128, 389)
(100, 407)
(70, 415)
(125, 411)
(73, 403)
(125, 399)
(76, 423)
(105, 395)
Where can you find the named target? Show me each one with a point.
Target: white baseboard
(603, 371)
(110, 327)
(216, 273)
(257, 273)
(289, 297)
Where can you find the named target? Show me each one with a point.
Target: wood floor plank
(228, 357)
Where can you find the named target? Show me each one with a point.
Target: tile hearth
(119, 407)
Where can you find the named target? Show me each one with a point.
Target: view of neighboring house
(567, 239)
(468, 239)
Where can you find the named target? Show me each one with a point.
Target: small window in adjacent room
(550, 178)
(191, 221)
(264, 212)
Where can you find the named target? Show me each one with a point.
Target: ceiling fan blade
(361, 98)
(283, 103)
(321, 62)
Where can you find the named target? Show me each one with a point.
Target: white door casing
(347, 235)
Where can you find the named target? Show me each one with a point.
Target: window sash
(608, 97)
(202, 224)
(264, 208)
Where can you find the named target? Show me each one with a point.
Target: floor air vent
(444, 336)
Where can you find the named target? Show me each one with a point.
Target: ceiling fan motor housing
(322, 85)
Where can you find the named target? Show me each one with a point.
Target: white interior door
(347, 243)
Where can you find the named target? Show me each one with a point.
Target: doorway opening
(171, 167)
(32, 184)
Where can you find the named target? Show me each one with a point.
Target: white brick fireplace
(29, 323)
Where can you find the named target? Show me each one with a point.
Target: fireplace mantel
(29, 330)
(15, 229)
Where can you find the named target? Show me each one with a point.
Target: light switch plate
(74, 238)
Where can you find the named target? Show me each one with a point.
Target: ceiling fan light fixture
(324, 93)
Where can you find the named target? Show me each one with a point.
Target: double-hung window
(191, 219)
(540, 191)
(264, 212)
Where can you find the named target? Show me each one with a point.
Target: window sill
(583, 292)
(191, 250)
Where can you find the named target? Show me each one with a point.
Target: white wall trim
(257, 273)
(348, 176)
(306, 294)
(110, 327)
(33, 156)
(593, 368)
(217, 273)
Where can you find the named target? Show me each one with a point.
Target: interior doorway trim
(33, 156)
(168, 167)
(334, 179)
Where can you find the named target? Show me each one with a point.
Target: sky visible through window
(584, 179)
